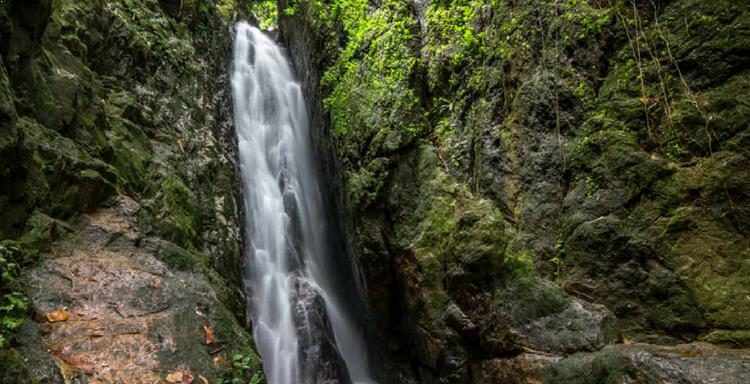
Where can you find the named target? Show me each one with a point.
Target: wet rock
(319, 357)
(641, 363)
(626, 273)
(128, 317)
(525, 368)
(580, 326)
(294, 232)
(460, 322)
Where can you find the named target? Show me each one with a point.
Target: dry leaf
(174, 377)
(58, 315)
(187, 377)
(222, 361)
(180, 377)
(203, 379)
(209, 333)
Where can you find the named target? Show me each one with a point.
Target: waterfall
(302, 325)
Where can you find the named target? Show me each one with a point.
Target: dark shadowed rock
(320, 359)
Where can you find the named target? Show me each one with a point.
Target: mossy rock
(648, 364)
(729, 337)
(13, 367)
(9, 136)
(177, 258)
(131, 149)
(62, 169)
(602, 260)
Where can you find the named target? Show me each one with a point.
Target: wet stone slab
(108, 310)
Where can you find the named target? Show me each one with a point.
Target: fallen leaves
(58, 315)
(690, 353)
(180, 376)
(214, 346)
(209, 332)
(222, 361)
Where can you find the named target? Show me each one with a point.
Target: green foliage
(519, 264)
(265, 11)
(245, 369)
(584, 19)
(364, 186)
(367, 89)
(449, 24)
(12, 302)
(591, 185)
(531, 297)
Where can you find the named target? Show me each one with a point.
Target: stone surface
(130, 319)
(640, 363)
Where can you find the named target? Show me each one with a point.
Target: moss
(375, 67)
(13, 367)
(178, 258)
(729, 337)
(458, 240)
(519, 265)
(7, 113)
(131, 152)
(178, 214)
(703, 226)
(364, 186)
(41, 231)
(607, 367)
(526, 297)
(62, 169)
(719, 290)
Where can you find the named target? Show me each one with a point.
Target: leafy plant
(245, 369)
(592, 184)
(12, 302)
(265, 11)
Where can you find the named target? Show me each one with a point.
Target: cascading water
(302, 328)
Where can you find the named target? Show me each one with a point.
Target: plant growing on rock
(13, 303)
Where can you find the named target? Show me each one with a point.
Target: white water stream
(288, 260)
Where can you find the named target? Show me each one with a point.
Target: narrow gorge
(362, 192)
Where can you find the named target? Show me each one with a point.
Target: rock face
(640, 363)
(112, 311)
(103, 102)
(526, 180)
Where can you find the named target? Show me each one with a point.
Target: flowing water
(303, 329)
